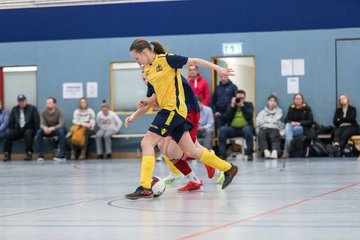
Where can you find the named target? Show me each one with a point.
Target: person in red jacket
(199, 85)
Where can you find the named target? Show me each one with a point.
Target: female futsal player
(162, 72)
(167, 146)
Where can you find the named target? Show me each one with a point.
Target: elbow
(193, 61)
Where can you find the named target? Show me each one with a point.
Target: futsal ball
(158, 186)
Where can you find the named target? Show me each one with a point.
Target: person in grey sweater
(269, 123)
(52, 124)
(109, 124)
(85, 117)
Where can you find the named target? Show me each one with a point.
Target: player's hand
(128, 120)
(217, 114)
(141, 103)
(226, 72)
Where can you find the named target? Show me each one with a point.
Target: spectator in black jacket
(345, 123)
(23, 123)
(221, 99)
(239, 119)
(298, 121)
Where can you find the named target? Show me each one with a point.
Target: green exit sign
(232, 48)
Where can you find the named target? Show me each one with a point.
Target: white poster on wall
(298, 67)
(286, 67)
(293, 85)
(73, 90)
(92, 89)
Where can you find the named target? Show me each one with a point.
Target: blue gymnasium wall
(77, 44)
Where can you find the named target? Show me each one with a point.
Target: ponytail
(139, 44)
(158, 48)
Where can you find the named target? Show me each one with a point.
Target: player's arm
(203, 63)
(147, 102)
(142, 109)
(139, 112)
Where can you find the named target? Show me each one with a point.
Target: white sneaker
(274, 154)
(40, 159)
(267, 153)
(60, 158)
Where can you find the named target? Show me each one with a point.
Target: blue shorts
(170, 123)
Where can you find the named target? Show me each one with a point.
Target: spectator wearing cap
(23, 123)
(199, 85)
(52, 124)
(4, 121)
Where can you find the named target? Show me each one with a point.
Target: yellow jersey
(164, 75)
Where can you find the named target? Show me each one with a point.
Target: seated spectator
(268, 121)
(23, 123)
(221, 99)
(85, 117)
(345, 124)
(206, 124)
(239, 118)
(52, 124)
(199, 85)
(109, 124)
(298, 121)
(4, 121)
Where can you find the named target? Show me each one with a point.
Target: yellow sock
(147, 168)
(172, 167)
(214, 161)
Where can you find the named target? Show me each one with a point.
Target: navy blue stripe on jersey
(177, 90)
(190, 99)
(150, 90)
(176, 61)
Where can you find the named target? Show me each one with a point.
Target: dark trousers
(2, 135)
(270, 139)
(231, 132)
(219, 122)
(17, 134)
(40, 141)
(343, 134)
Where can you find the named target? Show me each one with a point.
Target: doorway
(245, 74)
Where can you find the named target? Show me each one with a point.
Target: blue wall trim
(174, 18)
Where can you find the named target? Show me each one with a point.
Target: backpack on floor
(296, 149)
(318, 149)
(350, 150)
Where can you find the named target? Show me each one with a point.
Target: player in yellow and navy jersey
(162, 72)
(178, 167)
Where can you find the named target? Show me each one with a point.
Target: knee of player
(146, 143)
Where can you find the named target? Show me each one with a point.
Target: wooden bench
(356, 140)
(125, 136)
(324, 136)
